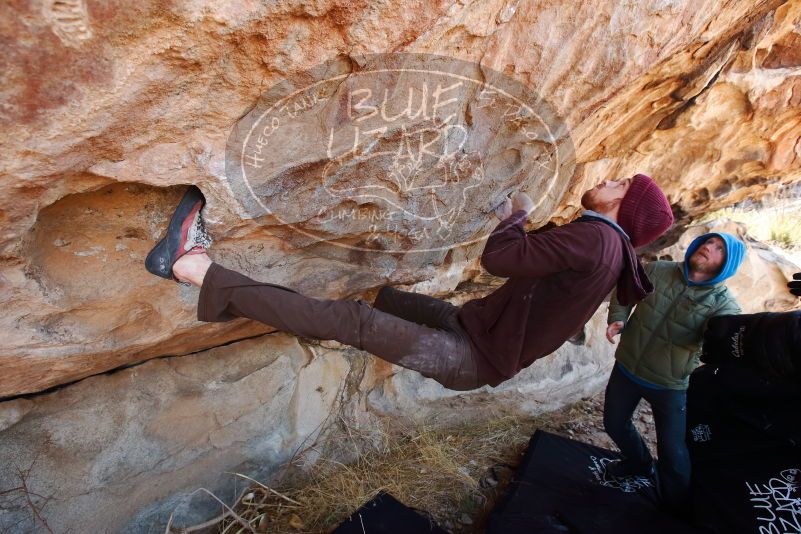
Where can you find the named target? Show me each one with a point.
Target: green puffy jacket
(661, 340)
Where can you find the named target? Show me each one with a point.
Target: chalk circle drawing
(627, 484)
(413, 151)
(69, 20)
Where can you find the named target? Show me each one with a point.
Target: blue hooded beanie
(735, 253)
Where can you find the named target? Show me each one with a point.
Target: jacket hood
(735, 253)
(633, 284)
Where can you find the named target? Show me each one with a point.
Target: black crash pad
(745, 445)
(386, 515)
(561, 487)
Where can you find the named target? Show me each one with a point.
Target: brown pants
(411, 330)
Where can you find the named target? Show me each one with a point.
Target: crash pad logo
(396, 152)
(777, 502)
(629, 484)
(701, 433)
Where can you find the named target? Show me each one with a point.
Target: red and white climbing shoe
(186, 234)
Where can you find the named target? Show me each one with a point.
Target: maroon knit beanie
(645, 212)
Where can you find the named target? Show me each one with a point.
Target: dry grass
(456, 474)
(439, 470)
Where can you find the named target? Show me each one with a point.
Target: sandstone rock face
(123, 452)
(761, 281)
(730, 134)
(128, 450)
(133, 445)
(109, 107)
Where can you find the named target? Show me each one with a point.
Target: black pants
(411, 330)
(670, 418)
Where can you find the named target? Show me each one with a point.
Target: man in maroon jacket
(556, 281)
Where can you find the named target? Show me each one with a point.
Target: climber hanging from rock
(556, 281)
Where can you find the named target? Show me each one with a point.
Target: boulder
(110, 109)
(131, 450)
(760, 283)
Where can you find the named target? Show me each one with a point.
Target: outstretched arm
(511, 252)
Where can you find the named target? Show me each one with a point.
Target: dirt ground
(455, 475)
(584, 421)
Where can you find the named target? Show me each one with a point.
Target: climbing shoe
(185, 235)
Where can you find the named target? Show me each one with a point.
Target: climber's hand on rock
(504, 211)
(795, 285)
(521, 201)
(612, 330)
